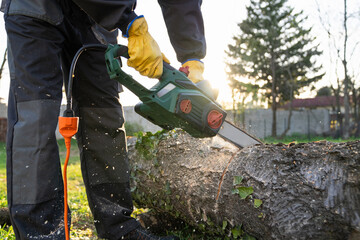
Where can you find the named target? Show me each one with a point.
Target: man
(43, 36)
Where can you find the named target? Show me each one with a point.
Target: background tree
(273, 48)
(339, 116)
(342, 29)
(347, 81)
(242, 94)
(324, 91)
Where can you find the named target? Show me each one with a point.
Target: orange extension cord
(68, 127)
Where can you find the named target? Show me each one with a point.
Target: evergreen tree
(274, 51)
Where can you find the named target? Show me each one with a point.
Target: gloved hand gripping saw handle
(174, 102)
(114, 64)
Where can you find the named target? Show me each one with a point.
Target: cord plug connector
(68, 126)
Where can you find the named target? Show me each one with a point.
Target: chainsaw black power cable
(68, 125)
(69, 112)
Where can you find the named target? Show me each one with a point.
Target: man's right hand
(144, 52)
(195, 68)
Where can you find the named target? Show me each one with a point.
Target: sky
(221, 21)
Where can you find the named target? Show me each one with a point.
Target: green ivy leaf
(257, 203)
(236, 232)
(237, 180)
(245, 191)
(235, 191)
(224, 225)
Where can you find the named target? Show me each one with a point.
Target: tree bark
(4, 216)
(308, 191)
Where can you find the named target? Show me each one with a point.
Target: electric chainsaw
(176, 102)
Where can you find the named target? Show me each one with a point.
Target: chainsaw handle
(122, 51)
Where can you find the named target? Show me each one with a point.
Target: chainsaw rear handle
(122, 51)
(119, 50)
(114, 68)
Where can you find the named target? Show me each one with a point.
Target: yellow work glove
(196, 70)
(144, 52)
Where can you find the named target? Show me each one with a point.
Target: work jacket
(183, 18)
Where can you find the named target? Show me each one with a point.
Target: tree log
(300, 191)
(4, 217)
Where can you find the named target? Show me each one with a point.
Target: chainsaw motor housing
(174, 102)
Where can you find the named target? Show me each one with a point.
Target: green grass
(82, 224)
(2, 156)
(303, 138)
(3, 202)
(7, 233)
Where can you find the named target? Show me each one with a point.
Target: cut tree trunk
(4, 216)
(308, 191)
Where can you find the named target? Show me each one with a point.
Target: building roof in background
(323, 101)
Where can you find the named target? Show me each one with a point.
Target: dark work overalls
(43, 37)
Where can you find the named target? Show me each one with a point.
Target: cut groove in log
(222, 177)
